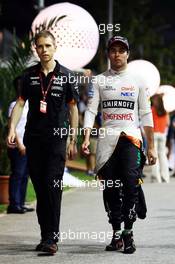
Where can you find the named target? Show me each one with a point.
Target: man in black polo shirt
(52, 106)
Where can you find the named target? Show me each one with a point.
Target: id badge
(43, 107)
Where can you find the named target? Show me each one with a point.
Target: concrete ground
(84, 231)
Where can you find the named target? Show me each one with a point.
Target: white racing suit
(124, 103)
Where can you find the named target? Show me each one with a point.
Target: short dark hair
(45, 34)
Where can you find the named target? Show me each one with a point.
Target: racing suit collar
(112, 72)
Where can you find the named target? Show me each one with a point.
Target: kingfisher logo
(125, 94)
(108, 116)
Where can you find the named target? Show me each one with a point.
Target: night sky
(19, 14)
(153, 32)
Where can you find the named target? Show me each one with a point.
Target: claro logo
(129, 89)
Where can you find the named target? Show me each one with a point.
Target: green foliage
(81, 175)
(149, 27)
(3, 208)
(13, 68)
(30, 196)
(146, 30)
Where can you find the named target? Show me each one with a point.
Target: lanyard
(44, 93)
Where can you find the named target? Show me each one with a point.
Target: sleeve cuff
(147, 120)
(72, 102)
(21, 98)
(89, 119)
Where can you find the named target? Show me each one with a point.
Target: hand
(72, 150)
(85, 148)
(151, 156)
(11, 143)
(22, 149)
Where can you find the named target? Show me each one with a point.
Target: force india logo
(118, 104)
(128, 117)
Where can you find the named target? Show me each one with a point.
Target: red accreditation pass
(43, 107)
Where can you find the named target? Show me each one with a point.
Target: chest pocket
(110, 94)
(35, 89)
(57, 93)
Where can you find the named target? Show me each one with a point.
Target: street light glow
(77, 35)
(168, 92)
(147, 73)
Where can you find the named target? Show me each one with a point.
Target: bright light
(168, 97)
(147, 72)
(77, 35)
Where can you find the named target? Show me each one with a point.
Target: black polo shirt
(62, 91)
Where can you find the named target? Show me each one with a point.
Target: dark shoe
(28, 209)
(49, 246)
(116, 243)
(129, 245)
(39, 247)
(15, 210)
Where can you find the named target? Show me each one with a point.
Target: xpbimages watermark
(104, 28)
(101, 236)
(83, 79)
(100, 132)
(98, 184)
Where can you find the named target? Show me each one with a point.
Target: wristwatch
(73, 139)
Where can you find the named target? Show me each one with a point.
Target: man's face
(118, 56)
(45, 48)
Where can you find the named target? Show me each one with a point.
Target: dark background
(149, 25)
(19, 14)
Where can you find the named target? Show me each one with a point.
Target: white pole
(110, 16)
(41, 4)
(110, 21)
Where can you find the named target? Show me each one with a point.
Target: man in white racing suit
(124, 103)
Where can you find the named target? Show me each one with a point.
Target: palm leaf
(46, 25)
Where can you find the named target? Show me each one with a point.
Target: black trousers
(46, 160)
(121, 173)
